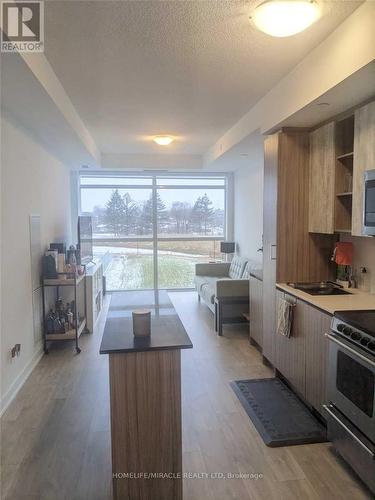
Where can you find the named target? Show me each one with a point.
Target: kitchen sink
(320, 288)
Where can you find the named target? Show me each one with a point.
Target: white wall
(364, 254)
(248, 204)
(33, 182)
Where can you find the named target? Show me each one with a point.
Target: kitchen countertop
(354, 301)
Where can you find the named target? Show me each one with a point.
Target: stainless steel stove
(350, 408)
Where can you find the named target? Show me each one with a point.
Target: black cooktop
(362, 320)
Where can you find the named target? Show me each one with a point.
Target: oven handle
(348, 431)
(341, 344)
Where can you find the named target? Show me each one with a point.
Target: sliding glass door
(150, 231)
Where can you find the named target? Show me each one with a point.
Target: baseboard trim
(20, 380)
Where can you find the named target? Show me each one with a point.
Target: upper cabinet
(340, 152)
(322, 179)
(364, 159)
(344, 139)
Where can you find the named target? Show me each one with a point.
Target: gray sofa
(224, 287)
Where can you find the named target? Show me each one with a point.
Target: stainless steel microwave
(369, 203)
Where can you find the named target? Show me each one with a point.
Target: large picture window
(150, 231)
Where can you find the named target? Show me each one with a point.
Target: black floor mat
(277, 413)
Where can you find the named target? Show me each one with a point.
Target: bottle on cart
(58, 327)
(50, 318)
(73, 309)
(59, 306)
(69, 316)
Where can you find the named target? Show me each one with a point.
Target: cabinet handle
(327, 409)
(352, 351)
(273, 252)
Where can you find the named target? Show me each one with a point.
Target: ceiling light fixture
(163, 140)
(283, 18)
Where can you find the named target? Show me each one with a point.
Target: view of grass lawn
(129, 265)
(133, 272)
(176, 272)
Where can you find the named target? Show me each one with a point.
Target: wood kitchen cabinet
(302, 358)
(290, 252)
(331, 174)
(322, 180)
(340, 152)
(344, 144)
(317, 324)
(256, 310)
(290, 351)
(364, 159)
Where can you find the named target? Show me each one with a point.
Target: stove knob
(371, 346)
(347, 331)
(355, 336)
(365, 341)
(340, 327)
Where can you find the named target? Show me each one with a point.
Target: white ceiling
(348, 94)
(134, 69)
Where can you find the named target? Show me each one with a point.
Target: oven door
(369, 203)
(351, 384)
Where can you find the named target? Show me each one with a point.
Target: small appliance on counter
(350, 409)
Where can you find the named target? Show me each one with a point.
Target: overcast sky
(92, 197)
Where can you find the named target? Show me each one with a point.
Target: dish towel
(285, 317)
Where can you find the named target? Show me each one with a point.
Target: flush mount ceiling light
(163, 140)
(283, 18)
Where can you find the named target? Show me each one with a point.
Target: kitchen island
(145, 399)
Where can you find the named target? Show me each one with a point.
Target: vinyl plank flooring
(226, 436)
(56, 433)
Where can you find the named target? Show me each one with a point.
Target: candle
(141, 323)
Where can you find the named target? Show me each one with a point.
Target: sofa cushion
(208, 292)
(246, 271)
(206, 287)
(237, 267)
(250, 268)
(199, 281)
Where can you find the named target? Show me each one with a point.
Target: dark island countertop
(167, 331)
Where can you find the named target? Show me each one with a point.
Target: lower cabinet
(256, 310)
(302, 358)
(290, 351)
(318, 324)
